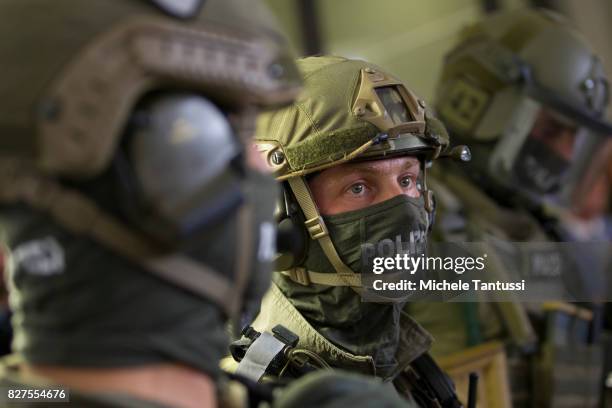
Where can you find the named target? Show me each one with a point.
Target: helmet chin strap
(317, 230)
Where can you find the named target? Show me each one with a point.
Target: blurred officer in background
(124, 126)
(351, 153)
(591, 218)
(527, 94)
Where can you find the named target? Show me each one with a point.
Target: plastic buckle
(285, 335)
(316, 227)
(300, 275)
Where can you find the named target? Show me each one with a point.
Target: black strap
(257, 392)
(434, 383)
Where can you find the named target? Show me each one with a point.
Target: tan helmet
(349, 110)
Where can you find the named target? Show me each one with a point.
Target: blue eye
(406, 182)
(357, 188)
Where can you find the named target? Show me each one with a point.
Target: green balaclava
(350, 110)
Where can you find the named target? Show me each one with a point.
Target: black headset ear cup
(161, 192)
(292, 236)
(292, 240)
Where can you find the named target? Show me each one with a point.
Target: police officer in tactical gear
(351, 154)
(134, 225)
(526, 92)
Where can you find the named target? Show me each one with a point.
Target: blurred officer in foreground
(124, 126)
(527, 94)
(351, 153)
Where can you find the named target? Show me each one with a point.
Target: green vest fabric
(277, 309)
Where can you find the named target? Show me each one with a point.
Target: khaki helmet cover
(340, 116)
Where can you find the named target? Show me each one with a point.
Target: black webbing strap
(435, 382)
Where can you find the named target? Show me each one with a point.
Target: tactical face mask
(395, 226)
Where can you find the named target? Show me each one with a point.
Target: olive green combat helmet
(528, 94)
(349, 110)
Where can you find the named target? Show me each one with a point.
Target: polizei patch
(41, 257)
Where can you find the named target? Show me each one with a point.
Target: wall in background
(594, 19)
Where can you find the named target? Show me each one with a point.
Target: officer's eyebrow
(375, 167)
